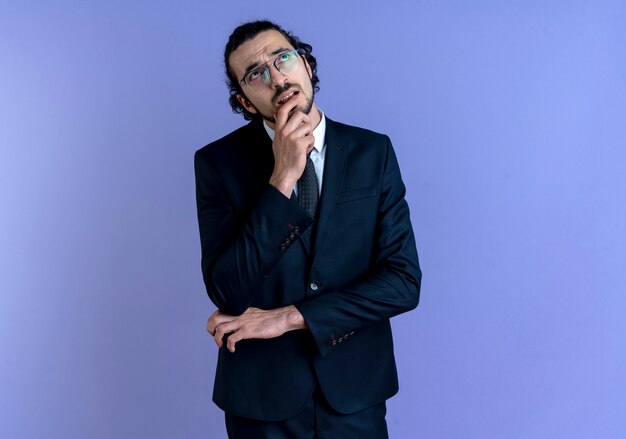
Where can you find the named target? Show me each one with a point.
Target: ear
(246, 104)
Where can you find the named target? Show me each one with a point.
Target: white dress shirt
(318, 153)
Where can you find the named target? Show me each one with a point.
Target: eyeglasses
(286, 62)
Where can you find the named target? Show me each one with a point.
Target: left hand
(254, 323)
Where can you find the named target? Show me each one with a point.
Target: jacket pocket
(356, 194)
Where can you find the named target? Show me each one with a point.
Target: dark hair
(246, 32)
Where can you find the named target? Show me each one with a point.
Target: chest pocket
(356, 194)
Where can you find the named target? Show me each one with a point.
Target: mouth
(285, 97)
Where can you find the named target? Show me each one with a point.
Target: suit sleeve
(239, 253)
(393, 285)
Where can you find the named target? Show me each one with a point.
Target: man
(307, 251)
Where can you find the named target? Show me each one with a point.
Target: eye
(285, 57)
(254, 74)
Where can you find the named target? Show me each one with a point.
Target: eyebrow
(254, 65)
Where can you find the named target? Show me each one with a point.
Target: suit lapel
(334, 169)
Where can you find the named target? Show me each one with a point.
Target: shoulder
(356, 133)
(224, 146)
(359, 141)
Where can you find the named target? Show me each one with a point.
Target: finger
(212, 327)
(210, 324)
(300, 134)
(288, 107)
(289, 125)
(303, 130)
(234, 338)
(282, 116)
(283, 113)
(218, 335)
(217, 318)
(221, 330)
(213, 321)
(297, 121)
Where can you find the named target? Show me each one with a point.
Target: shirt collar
(319, 132)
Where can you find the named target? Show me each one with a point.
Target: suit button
(314, 286)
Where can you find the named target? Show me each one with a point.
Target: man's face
(266, 99)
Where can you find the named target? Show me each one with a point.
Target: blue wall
(508, 118)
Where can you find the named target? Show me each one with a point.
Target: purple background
(509, 120)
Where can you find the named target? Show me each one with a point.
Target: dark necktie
(308, 191)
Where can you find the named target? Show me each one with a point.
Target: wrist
(284, 186)
(294, 319)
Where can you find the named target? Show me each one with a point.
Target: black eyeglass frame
(265, 66)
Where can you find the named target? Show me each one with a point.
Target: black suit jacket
(357, 269)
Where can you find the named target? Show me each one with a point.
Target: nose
(277, 78)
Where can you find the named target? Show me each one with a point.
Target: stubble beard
(306, 108)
